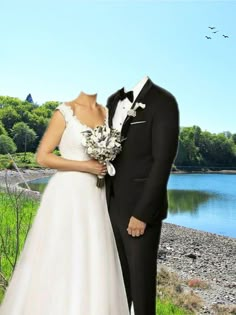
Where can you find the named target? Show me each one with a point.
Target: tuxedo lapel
(140, 96)
(113, 105)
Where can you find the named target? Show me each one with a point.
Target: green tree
(24, 108)
(9, 117)
(2, 130)
(181, 157)
(197, 135)
(205, 146)
(39, 125)
(24, 137)
(197, 147)
(51, 105)
(7, 145)
(234, 138)
(223, 150)
(227, 134)
(217, 149)
(188, 152)
(9, 101)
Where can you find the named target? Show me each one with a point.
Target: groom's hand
(136, 227)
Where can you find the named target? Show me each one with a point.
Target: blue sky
(54, 49)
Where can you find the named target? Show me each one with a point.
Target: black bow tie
(129, 95)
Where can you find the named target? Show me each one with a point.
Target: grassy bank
(21, 159)
(16, 214)
(166, 307)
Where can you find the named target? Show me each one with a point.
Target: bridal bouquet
(102, 144)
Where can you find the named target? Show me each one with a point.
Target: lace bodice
(70, 145)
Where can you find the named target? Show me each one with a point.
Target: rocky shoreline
(193, 254)
(190, 253)
(12, 179)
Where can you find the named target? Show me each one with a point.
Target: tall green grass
(9, 203)
(166, 307)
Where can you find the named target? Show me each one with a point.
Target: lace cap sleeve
(66, 111)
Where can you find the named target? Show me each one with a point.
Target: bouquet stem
(100, 181)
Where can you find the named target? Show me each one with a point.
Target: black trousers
(138, 257)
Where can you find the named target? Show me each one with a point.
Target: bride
(69, 264)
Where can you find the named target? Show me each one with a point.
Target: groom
(148, 119)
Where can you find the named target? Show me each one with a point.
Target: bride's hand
(94, 167)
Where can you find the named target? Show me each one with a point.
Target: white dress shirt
(124, 106)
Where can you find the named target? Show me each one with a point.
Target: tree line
(202, 148)
(23, 123)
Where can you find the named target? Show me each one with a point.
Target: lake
(204, 202)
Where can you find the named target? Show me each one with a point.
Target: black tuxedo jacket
(143, 167)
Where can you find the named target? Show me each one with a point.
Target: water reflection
(38, 184)
(187, 200)
(180, 200)
(210, 198)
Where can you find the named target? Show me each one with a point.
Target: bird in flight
(211, 27)
(225, 36)
(215, 32)
(208, 37)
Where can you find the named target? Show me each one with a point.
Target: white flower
(95, 137)
(132, 111)
(137, 105)
(84, 141)
(111, 143)
(107, 132)
(101, 144)
(89, 150)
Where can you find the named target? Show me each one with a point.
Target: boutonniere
(132, 111)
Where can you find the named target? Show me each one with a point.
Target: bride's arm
(50, 140)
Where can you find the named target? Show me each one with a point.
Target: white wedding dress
(69, 264)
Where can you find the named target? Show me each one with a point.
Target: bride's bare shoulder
(71, 105)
